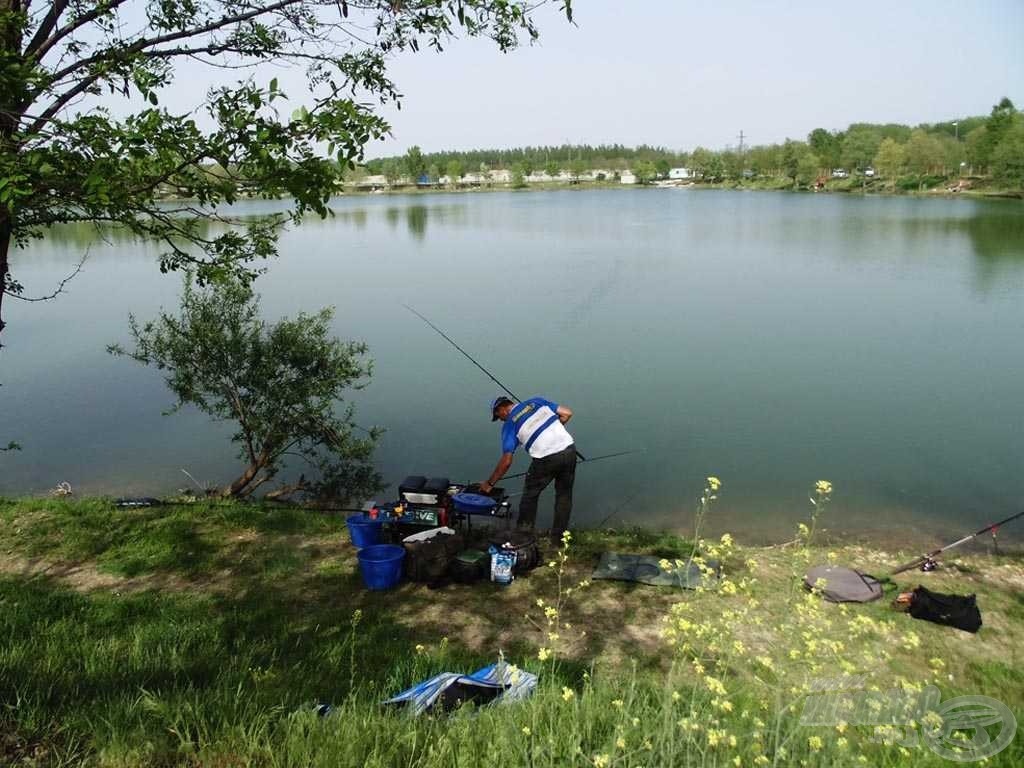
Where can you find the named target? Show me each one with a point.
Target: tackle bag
(960, 611)
(523, 543)
(428, 557)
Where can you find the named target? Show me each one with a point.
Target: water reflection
(416, 216)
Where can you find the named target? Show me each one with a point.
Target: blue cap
(496, 402)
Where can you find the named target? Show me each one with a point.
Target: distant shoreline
(837, 188)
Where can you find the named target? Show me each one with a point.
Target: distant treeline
(991, 145)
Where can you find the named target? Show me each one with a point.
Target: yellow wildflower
(815, 743)
(420, 649)
(714, 483)
(714, 685)
(568, 693)
(676, 696)
(824, 487)
(526, 730)
(543, 654)
(600, 761)
(618, 703)
(620, 743)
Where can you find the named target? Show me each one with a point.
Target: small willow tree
(281, 384)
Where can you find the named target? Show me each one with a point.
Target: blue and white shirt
(534, 424)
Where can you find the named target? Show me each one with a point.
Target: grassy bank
(204, 634)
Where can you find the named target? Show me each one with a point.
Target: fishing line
(466, 354)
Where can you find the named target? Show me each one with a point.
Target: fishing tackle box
(418, 489)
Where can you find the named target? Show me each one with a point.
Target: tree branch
(60, 287)
(147, 42)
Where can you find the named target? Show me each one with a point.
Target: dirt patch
(87, 577)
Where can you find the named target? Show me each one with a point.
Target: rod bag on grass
(960, 611)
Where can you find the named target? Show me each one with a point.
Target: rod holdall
(960, 611)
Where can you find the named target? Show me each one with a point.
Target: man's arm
(564, 414)
(499, 472)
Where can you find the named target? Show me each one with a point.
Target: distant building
(501, 176)
(627, 177)
(680, 173)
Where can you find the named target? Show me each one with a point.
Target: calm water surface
(771, 339)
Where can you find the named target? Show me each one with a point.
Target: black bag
(428, 561)
(958, 611)
(523, 543)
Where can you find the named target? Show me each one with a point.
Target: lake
(772, 339)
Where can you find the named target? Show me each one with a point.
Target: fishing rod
(466, 354)
(589, 461)
(930, 557)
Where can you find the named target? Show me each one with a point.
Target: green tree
(924, 153)
(977, 147)
(281, 385)
(62, 160)
(998, 123)
(1008, 157)
(552, 168)
(577, 168)
(414, 165)
(859, 146)
(518, 176)
(826, 145)
(890, 159)
(663, 167)
(434, 173)
(799, 163)
(392, 172)
(645, 172)
(454, 172)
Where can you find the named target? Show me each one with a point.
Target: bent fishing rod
(466, 354)
(930, 556)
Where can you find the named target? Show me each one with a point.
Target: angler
(539, 426)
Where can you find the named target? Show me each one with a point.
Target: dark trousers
(560, 467)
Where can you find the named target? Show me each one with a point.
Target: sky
(687, 73)
(683, 73)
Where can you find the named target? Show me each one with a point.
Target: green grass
(203, 635)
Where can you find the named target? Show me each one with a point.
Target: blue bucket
(381, 565)
(364, 531)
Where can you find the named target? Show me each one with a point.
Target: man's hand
(499, 472)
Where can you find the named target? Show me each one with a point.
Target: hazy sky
(683, 73)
